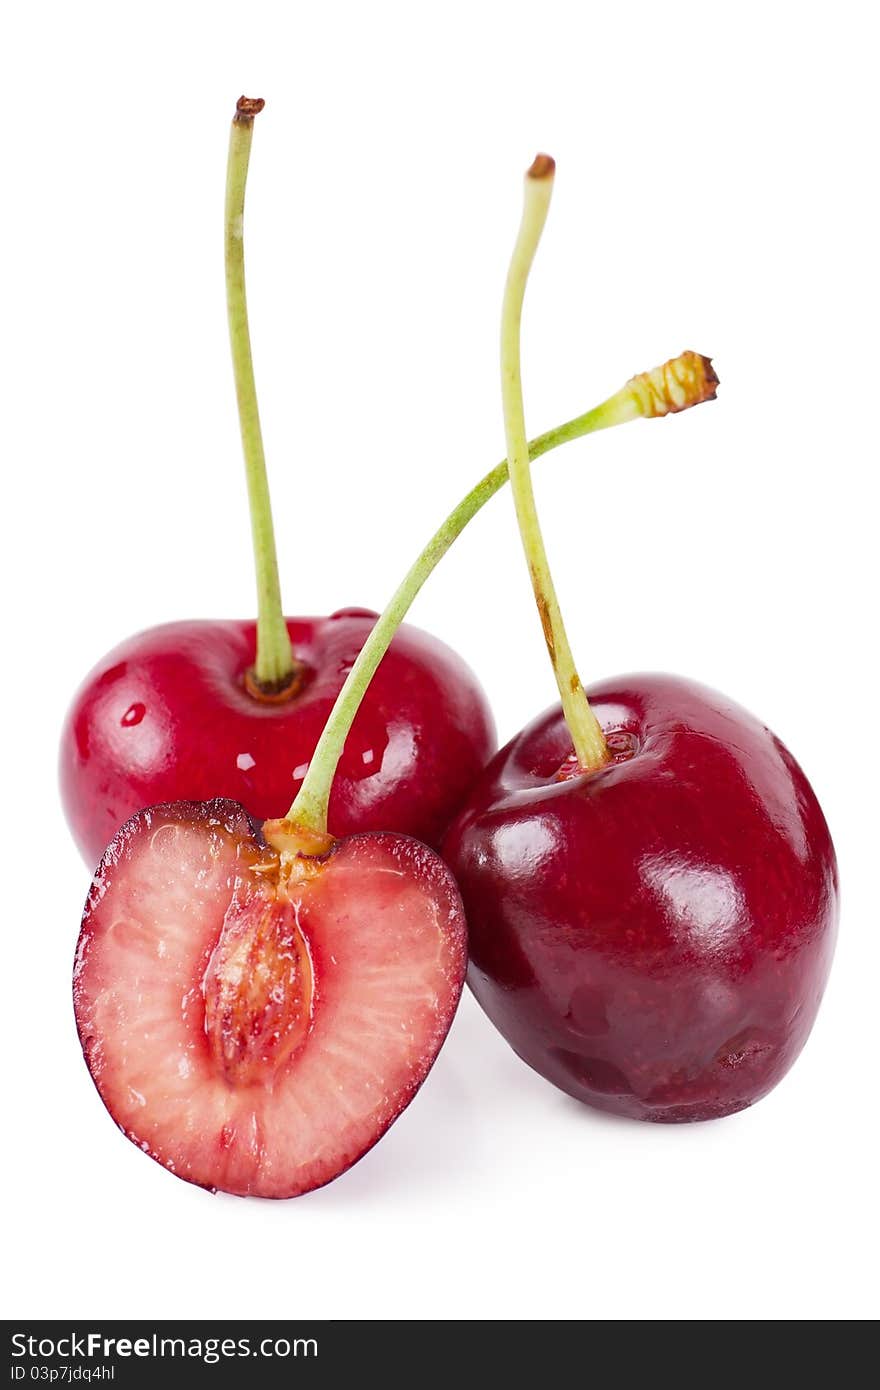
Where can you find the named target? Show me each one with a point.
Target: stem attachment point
(274, 692)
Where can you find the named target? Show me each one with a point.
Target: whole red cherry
(650, 885)
(653, 937)
(171, 714)
(197, 710)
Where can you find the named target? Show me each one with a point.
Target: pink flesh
(384, 928)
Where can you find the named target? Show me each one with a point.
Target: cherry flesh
(168, 716)
(654, 937)
(253, 1018)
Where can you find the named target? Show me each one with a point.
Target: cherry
(257, 1005)
(654, 936)
(650, 884)
(168, 713)
(229, 708)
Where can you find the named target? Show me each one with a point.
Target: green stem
(274, 666)
(640, 397)
(586, 733)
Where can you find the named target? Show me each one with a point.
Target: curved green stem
(642, 396)
(274, 666)
(586, 733)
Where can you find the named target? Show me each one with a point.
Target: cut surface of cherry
(167, 716)
(653, 937)
(255, 1021)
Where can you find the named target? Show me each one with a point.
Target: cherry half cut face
(168, 716)
(654, 937)
(256, 1009)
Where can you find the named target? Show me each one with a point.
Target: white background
(716, 170)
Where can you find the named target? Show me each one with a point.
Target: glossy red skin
(653, 938)
(165, 716)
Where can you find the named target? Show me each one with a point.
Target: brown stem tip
(246, 108)
(711, 378)
(543, 166)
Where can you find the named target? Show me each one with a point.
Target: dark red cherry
(169, 715)
(654, 937)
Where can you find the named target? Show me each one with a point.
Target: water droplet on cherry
(133, 715)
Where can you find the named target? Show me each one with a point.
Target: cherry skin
(654, 937)
(168, 716)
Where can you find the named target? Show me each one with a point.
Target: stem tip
(686, 380)
(710, 377)
(543, 166)
(246, 108)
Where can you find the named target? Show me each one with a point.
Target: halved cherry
(256, 1006)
